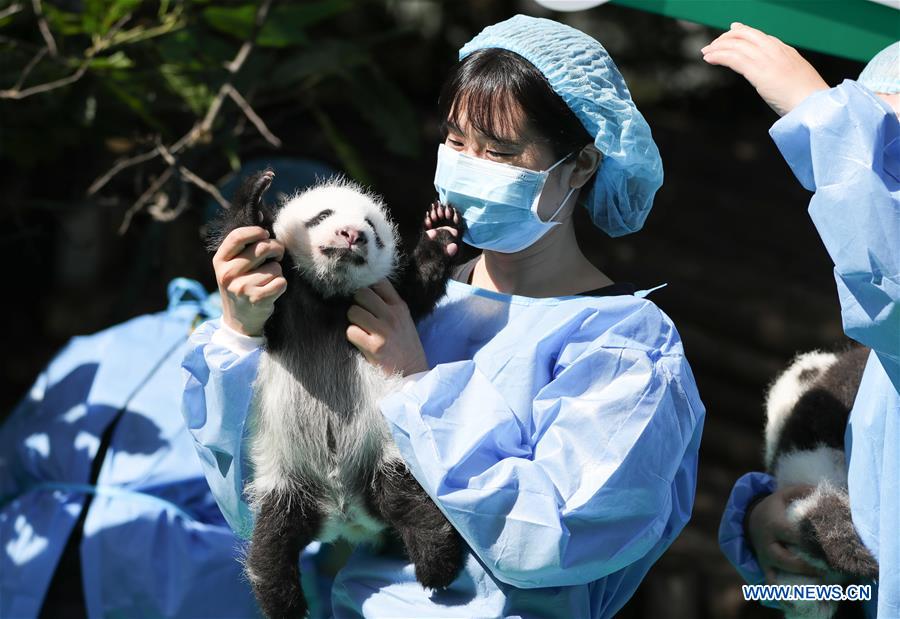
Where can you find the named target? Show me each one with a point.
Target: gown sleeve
(219, 369)
(734, 545)
(600, 473)
(844, 144)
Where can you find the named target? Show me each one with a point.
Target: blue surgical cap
(581, 72)
(882, 74)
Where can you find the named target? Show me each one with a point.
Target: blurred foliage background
(118, 118)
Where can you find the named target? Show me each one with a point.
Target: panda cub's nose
(353, 236)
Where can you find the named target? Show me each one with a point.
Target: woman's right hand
(771, 533)
(249, 277)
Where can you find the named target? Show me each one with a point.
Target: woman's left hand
(383, 330)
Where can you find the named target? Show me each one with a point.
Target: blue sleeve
(844, 144)
(603, 477)
(217, 393)
(731, 529)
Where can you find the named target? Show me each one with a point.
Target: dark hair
(488, 80)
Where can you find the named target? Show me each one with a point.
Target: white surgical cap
(581, 72)
(882, 74)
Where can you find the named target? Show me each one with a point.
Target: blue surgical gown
(154, 542)
(558, 435)
(844, 144)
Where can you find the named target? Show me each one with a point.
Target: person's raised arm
(844, 144)
(221, 363)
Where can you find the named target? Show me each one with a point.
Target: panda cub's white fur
(360, 210)
(807, 409)
(323, 461)
(786, 391)
(285, 447)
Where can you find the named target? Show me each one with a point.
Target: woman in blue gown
(548, 411)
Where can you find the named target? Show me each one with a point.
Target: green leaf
(196, 95)
(62, 22)
(134, 103)
(327, 57)
(285, 25)
(118, 60)
(236, 21)
(195, 49)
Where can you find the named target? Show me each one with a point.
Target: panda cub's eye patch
(315, 221)
(378, 242)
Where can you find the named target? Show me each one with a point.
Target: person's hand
(249, 278)
(779, 73)
(383, 330)
(771, 532)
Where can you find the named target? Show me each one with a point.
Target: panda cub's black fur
(807, 409)
(324, 463)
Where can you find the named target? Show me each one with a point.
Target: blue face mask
(498, 201)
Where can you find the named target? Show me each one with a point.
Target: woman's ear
(586, 163)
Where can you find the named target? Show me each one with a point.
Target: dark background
(355, 86)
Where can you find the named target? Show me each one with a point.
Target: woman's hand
(771, 532)
(249, 278)
(781, 76)
(383, 330)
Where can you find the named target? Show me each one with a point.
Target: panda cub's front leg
(424, 281)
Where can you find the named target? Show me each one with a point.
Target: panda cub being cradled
(324, 463)
(807, 409)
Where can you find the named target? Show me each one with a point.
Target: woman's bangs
(484, 103)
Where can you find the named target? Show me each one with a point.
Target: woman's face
(516, 144)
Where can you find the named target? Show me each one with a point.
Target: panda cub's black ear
(247, 209)
(248, 200)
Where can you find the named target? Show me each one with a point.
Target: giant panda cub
(807, 409)
(324, 463)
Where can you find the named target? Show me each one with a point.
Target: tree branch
(29, 67)
(44, 28)
(204, 127)
(253, 117)
(190, 176)
(154, 187)
(12, 9)
(15, 93)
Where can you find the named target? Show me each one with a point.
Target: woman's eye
(454, 143)
(498, 154)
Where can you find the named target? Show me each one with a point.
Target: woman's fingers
(371, 301)
(236, 240)
(785, 560)
(749, 33)
(254, 257)
(384, 289)
(734, 60)
(361, 339)
(363, 318)
(257, 286)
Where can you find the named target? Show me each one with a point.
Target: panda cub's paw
(444, 225)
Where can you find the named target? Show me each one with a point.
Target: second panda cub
(324, 463)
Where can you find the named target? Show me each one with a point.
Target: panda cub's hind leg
(433, 545)
(284, 526)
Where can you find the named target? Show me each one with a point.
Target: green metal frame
(856, 29)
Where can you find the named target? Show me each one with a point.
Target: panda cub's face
(339, 236)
